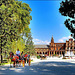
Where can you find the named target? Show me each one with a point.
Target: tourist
(25, 57)
(28, 58)
(11, 54)
(22, 53)
(18, 53)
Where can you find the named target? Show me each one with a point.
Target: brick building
(57, 49)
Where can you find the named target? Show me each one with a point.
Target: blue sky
(47, 21)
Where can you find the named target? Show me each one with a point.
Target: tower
(52, 43)
(52, 40)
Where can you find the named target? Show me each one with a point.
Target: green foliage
(54, 55)
(29, 47)
(14, 20)
(64, 58)
(67, 8)
(19, 44)
(38, 57)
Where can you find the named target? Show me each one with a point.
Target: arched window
(67, 47)
(37, 52)
(57, 52)
(71, 47)
(45, 52)
(52, 52)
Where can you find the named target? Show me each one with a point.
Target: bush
(64, 58)
(38, 57)
(54, 55)
(4, 62)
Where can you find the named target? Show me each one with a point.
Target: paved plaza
(42, 67)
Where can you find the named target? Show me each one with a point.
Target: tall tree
(29, 47)
(67, 8)
(14, 20)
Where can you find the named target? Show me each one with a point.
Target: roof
(41, 46)
(59, 43)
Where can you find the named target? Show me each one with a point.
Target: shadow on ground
(41, 68)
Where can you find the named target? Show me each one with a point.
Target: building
(57, 49)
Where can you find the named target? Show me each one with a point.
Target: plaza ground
(51, 66)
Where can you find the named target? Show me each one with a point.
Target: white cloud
(37, 41)
(63, 39)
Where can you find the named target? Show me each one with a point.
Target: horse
(27, 59)
(16, 60)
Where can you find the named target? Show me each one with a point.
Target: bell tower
(52, 44)
(52, 40)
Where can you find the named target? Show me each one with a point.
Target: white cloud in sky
(40, 42)
(37, 41)
(63, 39)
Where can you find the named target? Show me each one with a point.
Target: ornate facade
(57, 49)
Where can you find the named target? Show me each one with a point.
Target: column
(51, 53)
(61, 52)
(56, 53)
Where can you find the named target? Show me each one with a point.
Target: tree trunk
(1, 56)
(1, 59)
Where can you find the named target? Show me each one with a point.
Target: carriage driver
(18, 53)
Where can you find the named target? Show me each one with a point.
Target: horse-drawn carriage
(17, 60)
(43, 57)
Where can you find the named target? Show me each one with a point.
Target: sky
(47, 21)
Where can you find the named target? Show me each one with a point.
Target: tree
(19, 44)
(67, 8)
(29, 47)
(14, 20)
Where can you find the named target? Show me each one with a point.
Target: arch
(37, 52)
(67, 47)
(71, 48)
(45, 52)
(57, 52)
(50, 52)
(40, 52)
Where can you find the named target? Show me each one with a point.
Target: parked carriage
(18, 60)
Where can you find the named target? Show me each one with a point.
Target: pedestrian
(25, 57)
(29, 61)
(22, 55)
(18, 53)
(28, 58)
